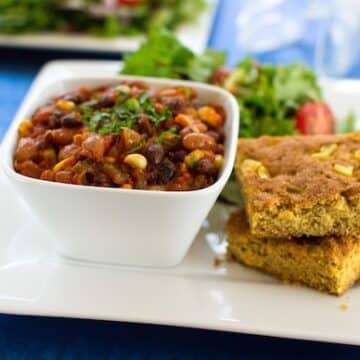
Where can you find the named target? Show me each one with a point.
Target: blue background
(47, 338)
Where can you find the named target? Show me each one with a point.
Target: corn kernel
(136, 161)
(262, 172)
(63, 164)
(250, 165)
(257, 167)
(286, 215)
(209, 115)
(192, 158)
(344, 170)
(357, 154)
(325, 152)
(25, 127)
(219, 161)
(65, 105)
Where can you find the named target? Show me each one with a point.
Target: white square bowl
(111, 225)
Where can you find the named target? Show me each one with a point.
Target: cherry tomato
(220, 76)
(315, 118)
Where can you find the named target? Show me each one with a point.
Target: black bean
(155, 153)
(179, 155)
(70, 120)
(166, 171)
(205, 166)
(74, 97)
(55, 119)
(106, 101)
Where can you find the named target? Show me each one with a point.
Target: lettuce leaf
(163, 55)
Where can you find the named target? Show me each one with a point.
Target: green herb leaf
(202, 67)
(125, 114)
(168, 136)
(269, 96)
(162, 55)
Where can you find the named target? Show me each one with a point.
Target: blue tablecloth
(48, 338)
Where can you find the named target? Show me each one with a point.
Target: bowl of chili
(122, 169)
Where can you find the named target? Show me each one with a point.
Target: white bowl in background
(112, 225)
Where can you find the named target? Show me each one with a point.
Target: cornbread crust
(330, 264)
(305, 193)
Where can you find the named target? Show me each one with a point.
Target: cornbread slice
(328, 263)
(301, 185)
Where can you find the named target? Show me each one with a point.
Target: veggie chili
(126, 135)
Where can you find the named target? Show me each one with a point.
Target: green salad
(96, 17)
(273, 99)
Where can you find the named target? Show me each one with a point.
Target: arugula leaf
(163, 55)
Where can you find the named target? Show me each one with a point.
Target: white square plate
(194, 35)
(230, 297)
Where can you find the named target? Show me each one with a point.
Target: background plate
(230, 297)
(195, 35)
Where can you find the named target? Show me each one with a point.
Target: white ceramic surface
(34, 281)
(195, 35)
(129, 227)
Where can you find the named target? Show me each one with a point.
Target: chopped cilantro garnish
(125, 113)
(168, 136)
(137, 147)
(143, 98)
(89, 103)
(97, 118)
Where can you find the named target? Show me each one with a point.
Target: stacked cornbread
(301, 220)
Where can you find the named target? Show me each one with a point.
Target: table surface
(49, 338)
